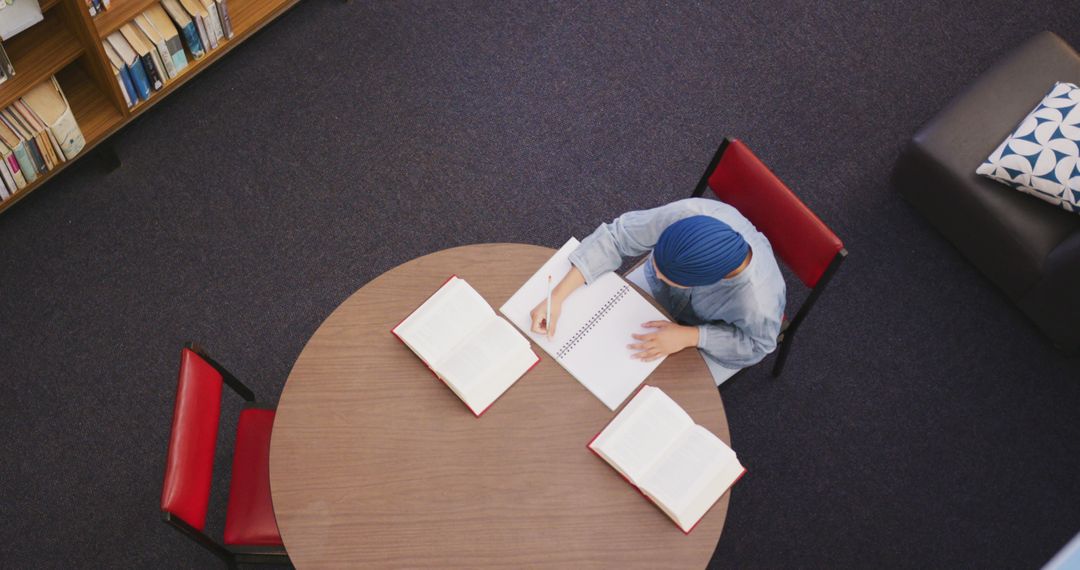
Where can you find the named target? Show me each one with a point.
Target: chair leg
(781, 357)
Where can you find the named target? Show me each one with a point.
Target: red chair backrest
(799, 238)
(189, 468)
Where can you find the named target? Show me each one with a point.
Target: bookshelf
(67, 44)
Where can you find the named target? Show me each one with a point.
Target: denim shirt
(738, 319)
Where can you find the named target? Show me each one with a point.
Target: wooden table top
(376, 463)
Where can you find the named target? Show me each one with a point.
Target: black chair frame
(788, 329)
(231, 555)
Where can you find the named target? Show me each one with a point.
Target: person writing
(712, 271)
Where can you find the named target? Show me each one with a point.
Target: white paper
(600, 360)
(19, 16)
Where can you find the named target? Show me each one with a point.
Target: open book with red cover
(682, 467)
(477, 353)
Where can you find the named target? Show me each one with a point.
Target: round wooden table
(376, 463)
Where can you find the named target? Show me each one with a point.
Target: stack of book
(6, 69)
(149, 51)
(97, 6)
(38, 132)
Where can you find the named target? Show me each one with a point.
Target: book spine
(5, 63)
(127, 86)
(26, 164)
(8, 187)
(176, 51)
(213, 25)
(67, 132)
(226, 21)
(194, 43)
(91, 8)
(153, 75)
(45, 135)
(205, 38)
(35, 155)
(138, 78)
(166, 59)
(16, 170)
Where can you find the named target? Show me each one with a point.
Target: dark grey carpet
(922, 422)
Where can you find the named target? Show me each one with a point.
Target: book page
(472, 361)
(642, 432)
(698, 462)
(453, 313)
(500, 377)
(593, 331)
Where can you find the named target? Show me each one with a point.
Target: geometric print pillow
(1042, 156)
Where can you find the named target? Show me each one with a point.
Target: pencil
(548, 321)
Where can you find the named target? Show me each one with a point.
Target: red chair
(251, 533)
(798, 237)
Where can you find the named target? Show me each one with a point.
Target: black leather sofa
(1028, 248)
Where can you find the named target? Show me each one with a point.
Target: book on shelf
(215, 29)
(50, 148)
(167, 36)
(19, 150)
(122, 74)
(49, 105)
(10, 169)
(226, 21)
(162, 58)
(594, 329)
(6, 69)
(473, 350)
(38, 132)
(680, 466)
(134, 65)
(186, 25)
(155, 71)
(12, 172)
(96, 7)
(17, 15)
(199, 15)
(30, 141)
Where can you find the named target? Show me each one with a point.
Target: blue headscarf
(699, 250)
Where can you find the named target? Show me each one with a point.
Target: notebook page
(698, 461)
(643, 430)
(590, 342)
(444, 320)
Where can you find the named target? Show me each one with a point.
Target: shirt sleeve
(631, 234)
(738, 347)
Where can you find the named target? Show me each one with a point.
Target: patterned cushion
(1042, 156)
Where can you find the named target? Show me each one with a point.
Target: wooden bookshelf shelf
(38, 53)
(248, 16)
(67, 44)
(119, 13)
(93, 110)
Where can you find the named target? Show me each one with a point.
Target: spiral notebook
(593, 332)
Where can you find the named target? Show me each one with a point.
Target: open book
(460, 338)
(678, 464)
(593, 332)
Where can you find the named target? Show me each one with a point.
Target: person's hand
(669, 338)
(539, 317)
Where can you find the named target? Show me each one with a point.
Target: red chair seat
(249, 517)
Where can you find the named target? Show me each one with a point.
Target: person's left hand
(669, 338)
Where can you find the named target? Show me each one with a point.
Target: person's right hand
(539, 317)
